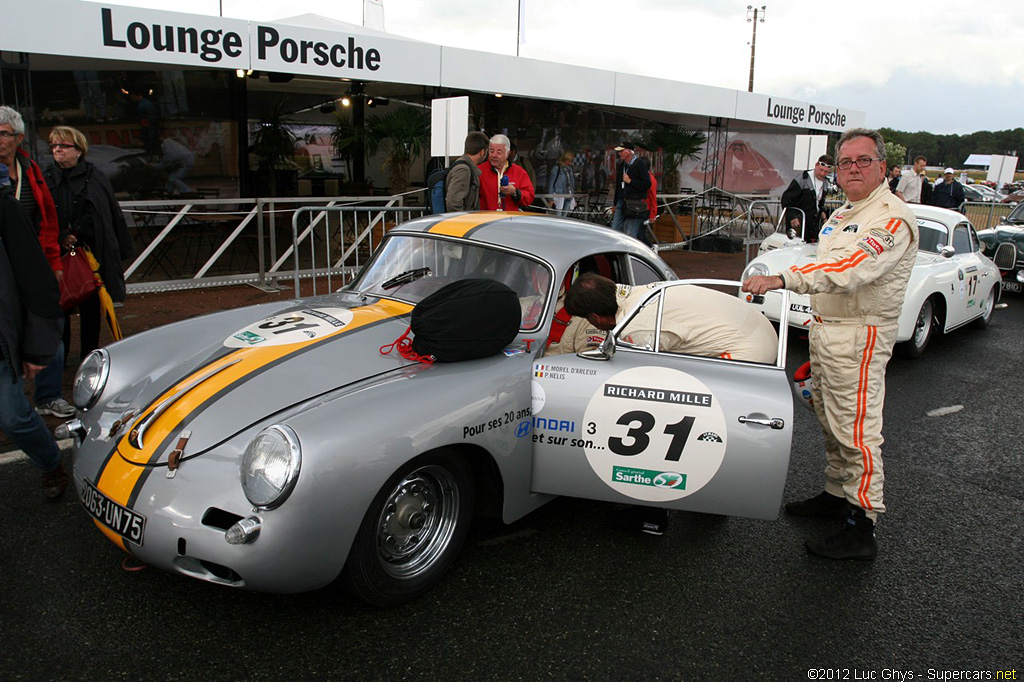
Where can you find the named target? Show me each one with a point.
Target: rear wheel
(987, 307)
(412, 531)
(914, 347)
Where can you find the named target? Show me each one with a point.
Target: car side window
(961, 239)
(642, 272)
(975, 242)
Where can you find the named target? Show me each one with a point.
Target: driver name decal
(560, 372)
(653, 434)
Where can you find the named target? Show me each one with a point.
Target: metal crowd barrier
(187, 244)
(985, 214)
(339, 240)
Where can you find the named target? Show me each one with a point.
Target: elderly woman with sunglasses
(89, 215)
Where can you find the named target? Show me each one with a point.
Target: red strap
(404, 345)
(558, 326)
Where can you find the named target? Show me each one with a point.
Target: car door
(653, 428)
(967, 299)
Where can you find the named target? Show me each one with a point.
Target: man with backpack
(462, 179)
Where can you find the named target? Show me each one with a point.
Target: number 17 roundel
(655, 434)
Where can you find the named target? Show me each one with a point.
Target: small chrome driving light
(73, 428)
(245, 531)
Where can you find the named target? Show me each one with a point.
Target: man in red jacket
(504, 186)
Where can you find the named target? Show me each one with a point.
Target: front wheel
(412, 531)
(987, 307)
(914, 348)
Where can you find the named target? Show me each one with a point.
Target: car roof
(943, 215)
(554, 239)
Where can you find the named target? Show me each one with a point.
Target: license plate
(797, 308)
(128, 524)
(1012, 286)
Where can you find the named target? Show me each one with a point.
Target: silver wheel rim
(417, 522)
(924, 323)
(990, 304)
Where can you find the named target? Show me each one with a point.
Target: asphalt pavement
(565, 595)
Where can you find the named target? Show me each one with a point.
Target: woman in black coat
(88, 214)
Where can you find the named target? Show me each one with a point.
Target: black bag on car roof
(464, 320)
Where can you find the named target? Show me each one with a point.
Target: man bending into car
(857, 284)
(695, 321)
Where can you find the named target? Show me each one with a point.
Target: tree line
(952, 150)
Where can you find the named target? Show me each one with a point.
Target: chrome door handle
(775, 423)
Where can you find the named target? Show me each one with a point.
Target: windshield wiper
(405, 278)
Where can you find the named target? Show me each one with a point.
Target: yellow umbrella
(106, 304)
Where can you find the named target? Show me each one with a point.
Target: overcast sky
(932, 66)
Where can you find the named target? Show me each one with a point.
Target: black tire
(412, 531)
(986, 317)
(923, 329)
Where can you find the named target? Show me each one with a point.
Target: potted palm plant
(273, 143)
(401, 135)
(677, 144)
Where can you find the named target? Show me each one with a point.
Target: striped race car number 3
(654, 434)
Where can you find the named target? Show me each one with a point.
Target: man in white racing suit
(857, 284)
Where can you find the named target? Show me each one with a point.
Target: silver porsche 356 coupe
(277, 448)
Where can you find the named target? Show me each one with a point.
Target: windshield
(410, 268)
(1016, 215)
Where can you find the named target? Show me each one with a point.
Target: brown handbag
(79, 281)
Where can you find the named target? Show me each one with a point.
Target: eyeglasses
(824, 165)
(862, 162)
(6, 134)
(61, 145)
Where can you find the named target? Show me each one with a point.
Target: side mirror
(602, 353)
(947, 251)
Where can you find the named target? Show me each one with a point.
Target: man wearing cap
(807, 193)
(632, 180)
(909, 186)
(949, 193)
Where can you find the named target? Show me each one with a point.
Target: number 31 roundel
(654, 434)
(297, 326)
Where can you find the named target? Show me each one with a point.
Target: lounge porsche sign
(157, 37)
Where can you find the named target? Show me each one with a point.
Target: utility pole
(753, 40)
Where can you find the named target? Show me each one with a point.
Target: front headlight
(754, 269)
(90, 379)
(1020, 276)
(270, 466)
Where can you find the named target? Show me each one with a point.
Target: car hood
(782, 259)
(276, 362)
(1004, 233)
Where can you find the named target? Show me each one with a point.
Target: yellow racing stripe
(122, 472)
(460, 225)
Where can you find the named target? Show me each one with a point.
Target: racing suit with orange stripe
(857, 284)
